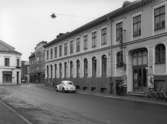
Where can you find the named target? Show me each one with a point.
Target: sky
(24, 23)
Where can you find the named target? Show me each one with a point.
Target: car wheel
(63, 90)
(57, 89)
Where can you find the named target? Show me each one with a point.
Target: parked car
(66, 86)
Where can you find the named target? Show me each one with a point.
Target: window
(160, 54)
(94, 39)
(119, 32)
(51, 53)
(51, 71)
(55, 50)
(65, 49)
(159, 18)
(47, 54)
(94, 67)
(65, 69)
(104, 65)
(60, 50)
(78, 45)
(78, 68)
(47, 71)
(71, 69)
(60, 70)
(139, 57)
(55, 70)
(104, 36)
(71, 47)
(7, 62)
(18, 62)
(85, 39)
(137, 26)
(85, 67)
(120, 59)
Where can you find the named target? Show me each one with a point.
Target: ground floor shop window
(7, 77)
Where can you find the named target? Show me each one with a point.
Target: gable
(5, 47)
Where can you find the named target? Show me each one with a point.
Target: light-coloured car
(66, 86)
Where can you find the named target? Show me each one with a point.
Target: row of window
(140, 57)
(7, 62)
(78, 66)
(54, 51)
(159, 24)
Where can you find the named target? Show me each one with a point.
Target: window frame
(94, 39)
(138, 23)
(119, 58)
(71, 47)
(160, 55)
(104, 36)
(7, 61)
(162, 23)
(85, 40)
(119, 31)
(78, 44)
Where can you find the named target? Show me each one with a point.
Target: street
(42, 105)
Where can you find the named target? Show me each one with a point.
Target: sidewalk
(127, 98)
(10, 116)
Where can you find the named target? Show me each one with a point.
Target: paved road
(84, 109)
(9, 117)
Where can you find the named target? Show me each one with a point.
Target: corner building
(124, 47)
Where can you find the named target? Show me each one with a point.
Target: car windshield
(70, 83)
(67, 82)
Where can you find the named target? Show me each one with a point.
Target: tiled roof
(111, 15)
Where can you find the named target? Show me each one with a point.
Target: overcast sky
(24, 23)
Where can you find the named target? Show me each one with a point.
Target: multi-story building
(10, 71)
(139, 45)
(37, 63)
(125, 47)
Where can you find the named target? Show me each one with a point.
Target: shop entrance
(139, 78)
(139, 69)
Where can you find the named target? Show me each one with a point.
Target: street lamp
(53, 15)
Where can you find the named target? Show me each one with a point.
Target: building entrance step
(139, 94)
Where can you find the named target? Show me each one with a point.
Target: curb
(127, 99)
(15, 112)
(118, 98)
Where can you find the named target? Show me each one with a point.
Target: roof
(11, 52)
(111, 15)
(32, 55)
(6, 48)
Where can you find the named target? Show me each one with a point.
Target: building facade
(125, 47)
(37, 63)
(10, 66)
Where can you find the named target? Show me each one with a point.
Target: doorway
(17, 77)
(139, 69)
(139, 78)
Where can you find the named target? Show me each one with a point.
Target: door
(139, 78)
(17, 77)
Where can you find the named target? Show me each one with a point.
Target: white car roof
(66, 81)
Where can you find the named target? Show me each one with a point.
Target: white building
(10, 71)
(126, 46)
